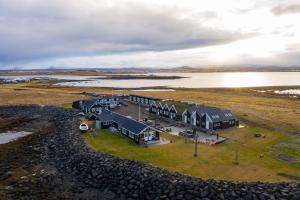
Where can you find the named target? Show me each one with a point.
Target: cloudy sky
(143, 33)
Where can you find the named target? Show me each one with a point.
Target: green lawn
(67, 105)
(256, 160)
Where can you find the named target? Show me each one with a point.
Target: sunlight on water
(11, 136)
(193, 80)
(243, 79)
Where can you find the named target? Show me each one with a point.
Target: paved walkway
(158, 142)
(209, 139)
(202, 137)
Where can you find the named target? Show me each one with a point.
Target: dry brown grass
(274, 112)
(263, 110)
(41, 93)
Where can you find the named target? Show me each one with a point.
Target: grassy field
(275, 116)
(255, 155)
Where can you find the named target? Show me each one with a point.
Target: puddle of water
(11, 136)
(290, 91)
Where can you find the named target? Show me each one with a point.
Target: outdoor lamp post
(196, 142)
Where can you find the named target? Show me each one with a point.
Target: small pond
(12, 135)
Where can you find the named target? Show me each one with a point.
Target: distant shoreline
(114, 72)
(130, 77)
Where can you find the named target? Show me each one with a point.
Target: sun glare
(242, 79)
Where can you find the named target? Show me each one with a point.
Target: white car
(83, 127)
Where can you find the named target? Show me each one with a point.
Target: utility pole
(185, 135)
(139, 111)
(236, 155)
(196, 143)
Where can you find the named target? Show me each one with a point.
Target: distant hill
(233, 69)
(143, 70)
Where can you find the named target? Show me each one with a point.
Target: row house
(165, 111)
(209, 118)
(142, 100)
(135, 130)
(96, 105)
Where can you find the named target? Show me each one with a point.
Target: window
(131, 135)
(228, 114)
(215, 116)
(217, 124)
(105, 123)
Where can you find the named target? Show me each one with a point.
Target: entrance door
(207, 125)
(194, 121)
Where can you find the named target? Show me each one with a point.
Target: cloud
(33, 29)
(286, 9)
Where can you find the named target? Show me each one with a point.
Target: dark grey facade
(142, 100)
(163, 111)
(137, 131)
(209, 118)
(96, 105)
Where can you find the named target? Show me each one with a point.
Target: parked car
(83, 127)
(187, 133)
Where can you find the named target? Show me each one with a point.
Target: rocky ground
(60, 166)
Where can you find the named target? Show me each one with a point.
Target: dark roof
(173, 108)
(127, 123)
(179, 106)
(89, 103)
(216, 114)
(166, 107)
(134, 95)
(105, 115)
(107, 96)
(159, 105)
(92, 116)
(153, 104)
(76, 105)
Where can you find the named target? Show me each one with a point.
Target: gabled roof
(215, 114)
(179, 106)
(107, 97)
(173, 108)
(166, 107)
(76, 104)
(228, 115)
(153, 104)
(133, 95)
(89, 103)
(159, 105)
(127, 123)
